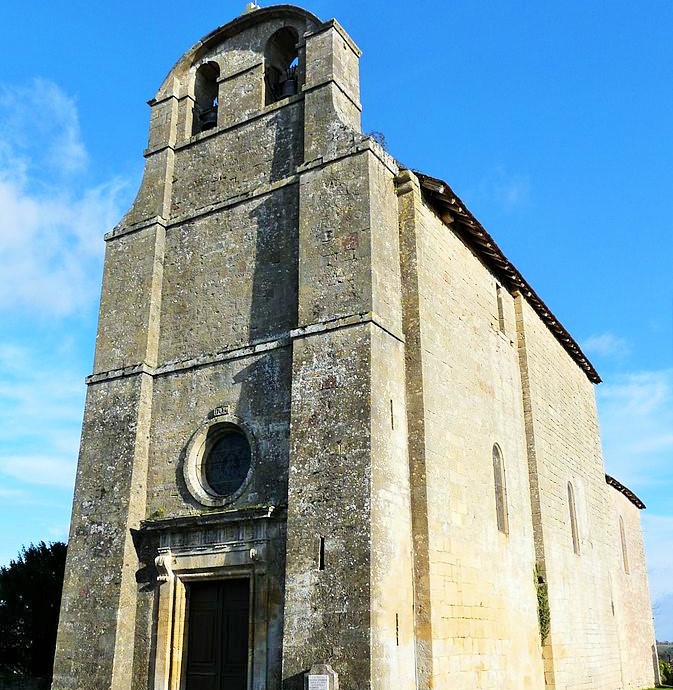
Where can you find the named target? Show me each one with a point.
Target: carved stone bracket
(163, 564)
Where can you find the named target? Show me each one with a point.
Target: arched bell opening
(205, 97)
(281, 65)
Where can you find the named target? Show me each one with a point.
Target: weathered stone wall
(230, 278)
(582, 648)
(391, 602)
(480, 589)
(630, 593)
(218, 166)
(256, 389)
(96, 629)
(12, 683)
(125, 338)
(348, 461)
(327, 611)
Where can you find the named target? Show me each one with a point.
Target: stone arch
(206, 93)
(281, 65)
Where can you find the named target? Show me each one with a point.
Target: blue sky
(553, 121)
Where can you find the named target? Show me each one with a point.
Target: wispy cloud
(40, 129)
(658, 540)
(51, 224)
(636, 414)
(510, 190)
(35, 386)
(606, 345)
(9, 494)
(658, 531)
(44, 470)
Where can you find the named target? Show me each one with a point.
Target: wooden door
(217, 644)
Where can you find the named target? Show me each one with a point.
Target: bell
(208, 119)
(288, 87)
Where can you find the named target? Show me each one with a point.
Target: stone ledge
(120, 231)
(124, 372)
(343, 322)
(314, 87)
(246, 350)
(215, 517)
(361, 143)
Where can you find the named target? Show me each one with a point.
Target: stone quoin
(332, 438)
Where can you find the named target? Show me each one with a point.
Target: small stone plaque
(320, 682)
(321, 677)
(221, 411)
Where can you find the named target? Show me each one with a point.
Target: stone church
(332, 436)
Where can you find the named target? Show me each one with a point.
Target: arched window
(501, 310)
(625, 554)
(500, 490)
(205, 97)
(280, 65)
(573, 518)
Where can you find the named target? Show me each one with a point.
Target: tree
(30, 597)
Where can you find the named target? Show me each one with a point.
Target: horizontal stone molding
(246, 351)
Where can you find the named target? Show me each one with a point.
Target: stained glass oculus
(227, 460)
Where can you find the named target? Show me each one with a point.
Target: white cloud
(40, 127)
(51, 224)
(6, 494)
(513, 192)
(636, 415)
(38, 392)
(44, 470)
(658, 533)
(52, 219)
(606, 345)
(510, 190)
(34, 387)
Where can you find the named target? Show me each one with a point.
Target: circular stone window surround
(193, 468)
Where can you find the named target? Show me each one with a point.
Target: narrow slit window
(573, 518)
(625, 554)
(392, 415)
(321, 553)
(501, 311)
(500, 490)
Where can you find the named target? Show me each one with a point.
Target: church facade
(332, 438)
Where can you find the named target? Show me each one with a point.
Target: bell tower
(241, 508)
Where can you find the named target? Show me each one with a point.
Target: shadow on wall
(14, 683)
(295, 682)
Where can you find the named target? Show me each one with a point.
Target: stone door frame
(187, 557)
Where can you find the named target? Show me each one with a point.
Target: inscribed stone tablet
(318, 682)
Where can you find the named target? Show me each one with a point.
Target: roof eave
(454, 213)
(611, 481)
